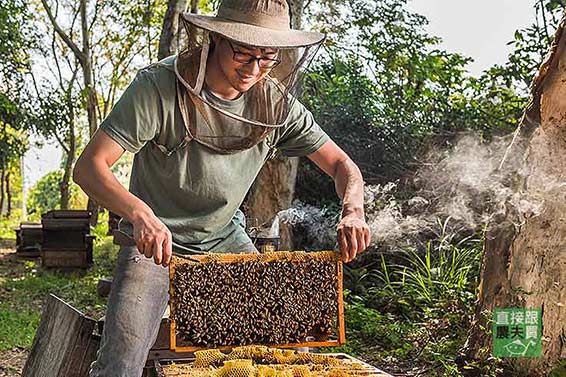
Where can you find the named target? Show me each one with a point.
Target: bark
(524, 261)
(70, 160)
(168, 42)
(2, 191)
(274, 188)
(273, 191)
(8, 195)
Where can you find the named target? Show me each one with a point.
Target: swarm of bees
(261, 361)
(272, 298)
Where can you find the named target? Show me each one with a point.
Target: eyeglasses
(243, 58)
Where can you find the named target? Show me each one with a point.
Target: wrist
(139, 213)
(353, 210)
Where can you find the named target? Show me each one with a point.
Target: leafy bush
(46, 195)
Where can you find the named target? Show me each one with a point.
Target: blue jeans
(137, 301)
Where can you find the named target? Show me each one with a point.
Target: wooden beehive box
(67, 241)
(28, 240)
(235, 309)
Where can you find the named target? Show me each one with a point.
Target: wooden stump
(64, 344)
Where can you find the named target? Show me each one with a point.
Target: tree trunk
(168, 42)
(66, 181)
(8, 195)
(524, 261)
(273, 191)
(91, 102)
(70, 160)
(2, 191)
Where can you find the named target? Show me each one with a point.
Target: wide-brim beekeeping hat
(260, 23)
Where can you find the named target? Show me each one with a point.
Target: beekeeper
(201, 125)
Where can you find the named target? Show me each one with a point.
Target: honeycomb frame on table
(299, 259)
(258, 364)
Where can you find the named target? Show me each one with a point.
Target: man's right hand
(92, 172)
(153, 239)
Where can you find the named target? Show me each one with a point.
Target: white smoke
(464, 184)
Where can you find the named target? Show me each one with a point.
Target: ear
(215, 38)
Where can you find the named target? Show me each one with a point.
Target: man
(200, 139)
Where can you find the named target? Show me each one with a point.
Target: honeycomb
(271, 298)
(260, 361)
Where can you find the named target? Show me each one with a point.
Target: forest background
(427, 135)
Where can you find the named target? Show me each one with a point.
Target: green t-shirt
(195, 191)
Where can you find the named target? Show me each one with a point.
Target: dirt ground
(12, 362)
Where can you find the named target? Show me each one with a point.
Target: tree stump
(64, 344)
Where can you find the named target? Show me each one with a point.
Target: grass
(24, 286)
(10, 224)
(411, 314)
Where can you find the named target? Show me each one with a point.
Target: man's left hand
(353, 236)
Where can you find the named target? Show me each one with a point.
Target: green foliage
(413, 307)
(46, 195)
(443, 272)
(9, 224)
(15, 40)
(127, 39)
(383, 88)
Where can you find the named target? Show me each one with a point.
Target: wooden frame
(230, 258)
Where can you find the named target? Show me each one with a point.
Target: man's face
(240, 63)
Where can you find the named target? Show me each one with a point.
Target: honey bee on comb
(272, 298)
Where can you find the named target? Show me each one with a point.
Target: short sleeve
(301, 135)
(135, 118)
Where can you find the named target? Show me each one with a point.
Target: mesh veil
(247, 120)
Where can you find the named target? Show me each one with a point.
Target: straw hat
(260, 23)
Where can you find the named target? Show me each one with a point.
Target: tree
(524, 248)
(45, 195)
(112, 39)
(168, 43)
(15, 41)
(56, 112)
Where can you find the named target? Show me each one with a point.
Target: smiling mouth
(245, 78)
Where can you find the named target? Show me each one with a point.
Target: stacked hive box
(28, 240)
(66, 239)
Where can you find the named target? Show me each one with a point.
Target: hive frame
(228, 258)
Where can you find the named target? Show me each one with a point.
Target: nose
(252, 68)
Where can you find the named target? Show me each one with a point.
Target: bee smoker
(266, 236)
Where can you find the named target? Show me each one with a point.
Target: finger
(353, 244)
(167, 250)
(367, 235)
(343, 244)
(158, 251)
(148, 249)
(361, 241)
(139, 245)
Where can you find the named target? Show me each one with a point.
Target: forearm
(350, 188)
(100, 184)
